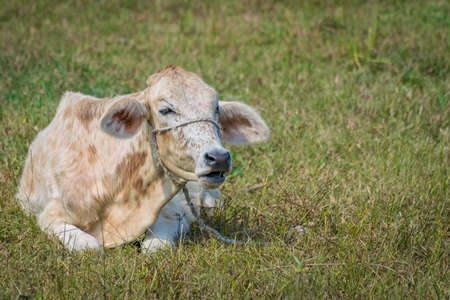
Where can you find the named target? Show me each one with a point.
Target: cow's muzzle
(215, 163)
(219, 164)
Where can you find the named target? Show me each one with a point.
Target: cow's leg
(176, 217)
(53, 220)
(171, 224)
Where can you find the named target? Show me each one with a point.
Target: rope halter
(158, 131)
(164, 129)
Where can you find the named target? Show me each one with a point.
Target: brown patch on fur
(88, 110)
(111, 186)
(241, 124)
(136, 200)
(92, 154)
(181, 136)
(126, 118)
(147, 186)
(67, 114)
(132, 177)
(131, 200)
(231, 126)
(70, 206)
(138, 184)
(128, 169)
(68, 125)
(229, 120)
(127, 114)
(125, 196)
(163, 140)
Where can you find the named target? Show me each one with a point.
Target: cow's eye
(166, 111)
(217, 109)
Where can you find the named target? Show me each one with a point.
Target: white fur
(75, 239)
(176, 217)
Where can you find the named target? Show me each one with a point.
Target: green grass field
(351, 193)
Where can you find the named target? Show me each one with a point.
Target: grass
(353, 196)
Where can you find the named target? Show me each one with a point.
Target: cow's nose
(218, 161)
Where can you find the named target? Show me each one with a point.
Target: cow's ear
(124, 118)
(241, 124)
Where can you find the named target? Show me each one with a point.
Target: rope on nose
(164, 129)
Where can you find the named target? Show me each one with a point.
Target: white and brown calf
(98, 175)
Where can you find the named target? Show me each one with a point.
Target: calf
(102, 171)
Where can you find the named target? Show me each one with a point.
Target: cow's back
(72, 159)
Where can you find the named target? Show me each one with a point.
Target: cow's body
(94, 178)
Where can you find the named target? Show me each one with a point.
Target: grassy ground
(353, 198)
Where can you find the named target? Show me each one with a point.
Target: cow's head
(191, 152)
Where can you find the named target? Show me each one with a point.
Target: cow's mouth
(213, 179)
(215, 176)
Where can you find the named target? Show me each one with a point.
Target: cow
(101, 173)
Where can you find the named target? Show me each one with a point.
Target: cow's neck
(124, 221)
(139, 202)
(163, 176)
(160, 191)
